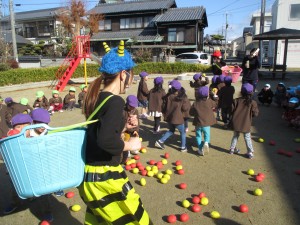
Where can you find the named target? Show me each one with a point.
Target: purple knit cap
(158, 80)
(222, 77)
(214, 79)
(203, 91)
(143, 74)
(40, 115)
(228, 80)
(21, 119)
(132, 101)
(197, 76)
(8, 100)
(247, 88)
(176, 84)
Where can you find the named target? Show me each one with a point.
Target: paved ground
(220, 175)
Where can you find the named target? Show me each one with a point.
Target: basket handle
(70, 127)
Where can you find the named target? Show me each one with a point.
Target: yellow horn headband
(121, 48)
(106, 47)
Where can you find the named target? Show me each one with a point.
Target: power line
(224, 7)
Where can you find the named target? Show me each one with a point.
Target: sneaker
(234, 151)
(159, 144)
(156, 132)
(10, 209)
(135, 152)
(183, 149)
(61, 110)
(205, 147)
(59, 193)
(48, 217)
(250, 155)
(200, 152)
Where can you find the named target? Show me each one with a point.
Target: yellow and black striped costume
(110, 198)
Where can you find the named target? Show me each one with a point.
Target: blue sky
(238, 12)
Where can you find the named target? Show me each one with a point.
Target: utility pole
(13, 31)
(226, 27)
(262, 23)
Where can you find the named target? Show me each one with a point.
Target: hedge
(21, 76)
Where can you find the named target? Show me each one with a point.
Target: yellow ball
(148, 168)
(179, 167)
(141, 139)
(258, 192)
(167, 176)
(75, 208)
(150, 174)
(159, 175)
(261, 140)
(215, 215)
(250, 172)
(204, 201)
(164, 180)
(143, 150)
(186, 203)
(143, 181)
(164, 161)
(154, 168)
(169, 172)
(135, 170)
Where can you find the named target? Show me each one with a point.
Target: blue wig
(114, 62)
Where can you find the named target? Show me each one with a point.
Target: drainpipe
(196, 36)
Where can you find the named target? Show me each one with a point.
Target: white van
(193, 58)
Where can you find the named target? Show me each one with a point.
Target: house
(37, 25)
(157, 25)
(286, 14)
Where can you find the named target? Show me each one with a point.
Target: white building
(286, 14)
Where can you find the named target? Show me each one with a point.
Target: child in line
(220, 84)
(199, 81)
(175, 104)
(81, 95)
(18, 122)
(131, 114)
(291, 111)
(156, 95)
(226, 99)
(70, 99)
(280, 94)
(265, 96)
(204, 118)
(142, 94)
(41, 101)
(4, 119)
(55, 102)
(243, 110)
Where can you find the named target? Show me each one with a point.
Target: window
(175, 36)
(132, 23)
(105, 25)
(127, 23)
(124, 23)
(203, 56)
(295, 12)
(147, 21)
(172, 35)
(139, 22)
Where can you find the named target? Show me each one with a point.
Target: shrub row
(21, 76)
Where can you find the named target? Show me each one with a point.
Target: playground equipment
(80, 50)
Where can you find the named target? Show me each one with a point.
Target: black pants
(225, 114)
(156, 123)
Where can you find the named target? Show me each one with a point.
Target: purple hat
(132, 101)
(247, 88)
(158, 80)
(203, 91)
(222, 77)
(8, 100)
(197, 76)
(228, 80)
(176, 84)
(40, 115)
(214, 79)
(143, 74)
(21, 119)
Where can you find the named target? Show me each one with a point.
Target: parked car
(193, 58)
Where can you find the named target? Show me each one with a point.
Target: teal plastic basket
(45, 164)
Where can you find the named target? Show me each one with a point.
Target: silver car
(193, 58)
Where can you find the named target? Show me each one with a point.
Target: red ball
(167, 155)
(127, 167)
(182, 186)
(138, 164)
(184, 217)
(178, 162)
(261, 175)
(201, 195)
(133, 165)
(180, 172)
(243, 208)
(70, 194)
(281, 152)
(159, 165)
(196, 208)
(152, 162)
(136, 157)
(141, 168)
(144, 172)
(272, 142)
(259, 178)
(171, 218)
(289, 154)
(44, 222)
(196, 200)
(298, 172)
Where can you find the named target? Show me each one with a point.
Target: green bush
(21, 76)
(4, 67)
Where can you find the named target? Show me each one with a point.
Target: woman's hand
(134, 143)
